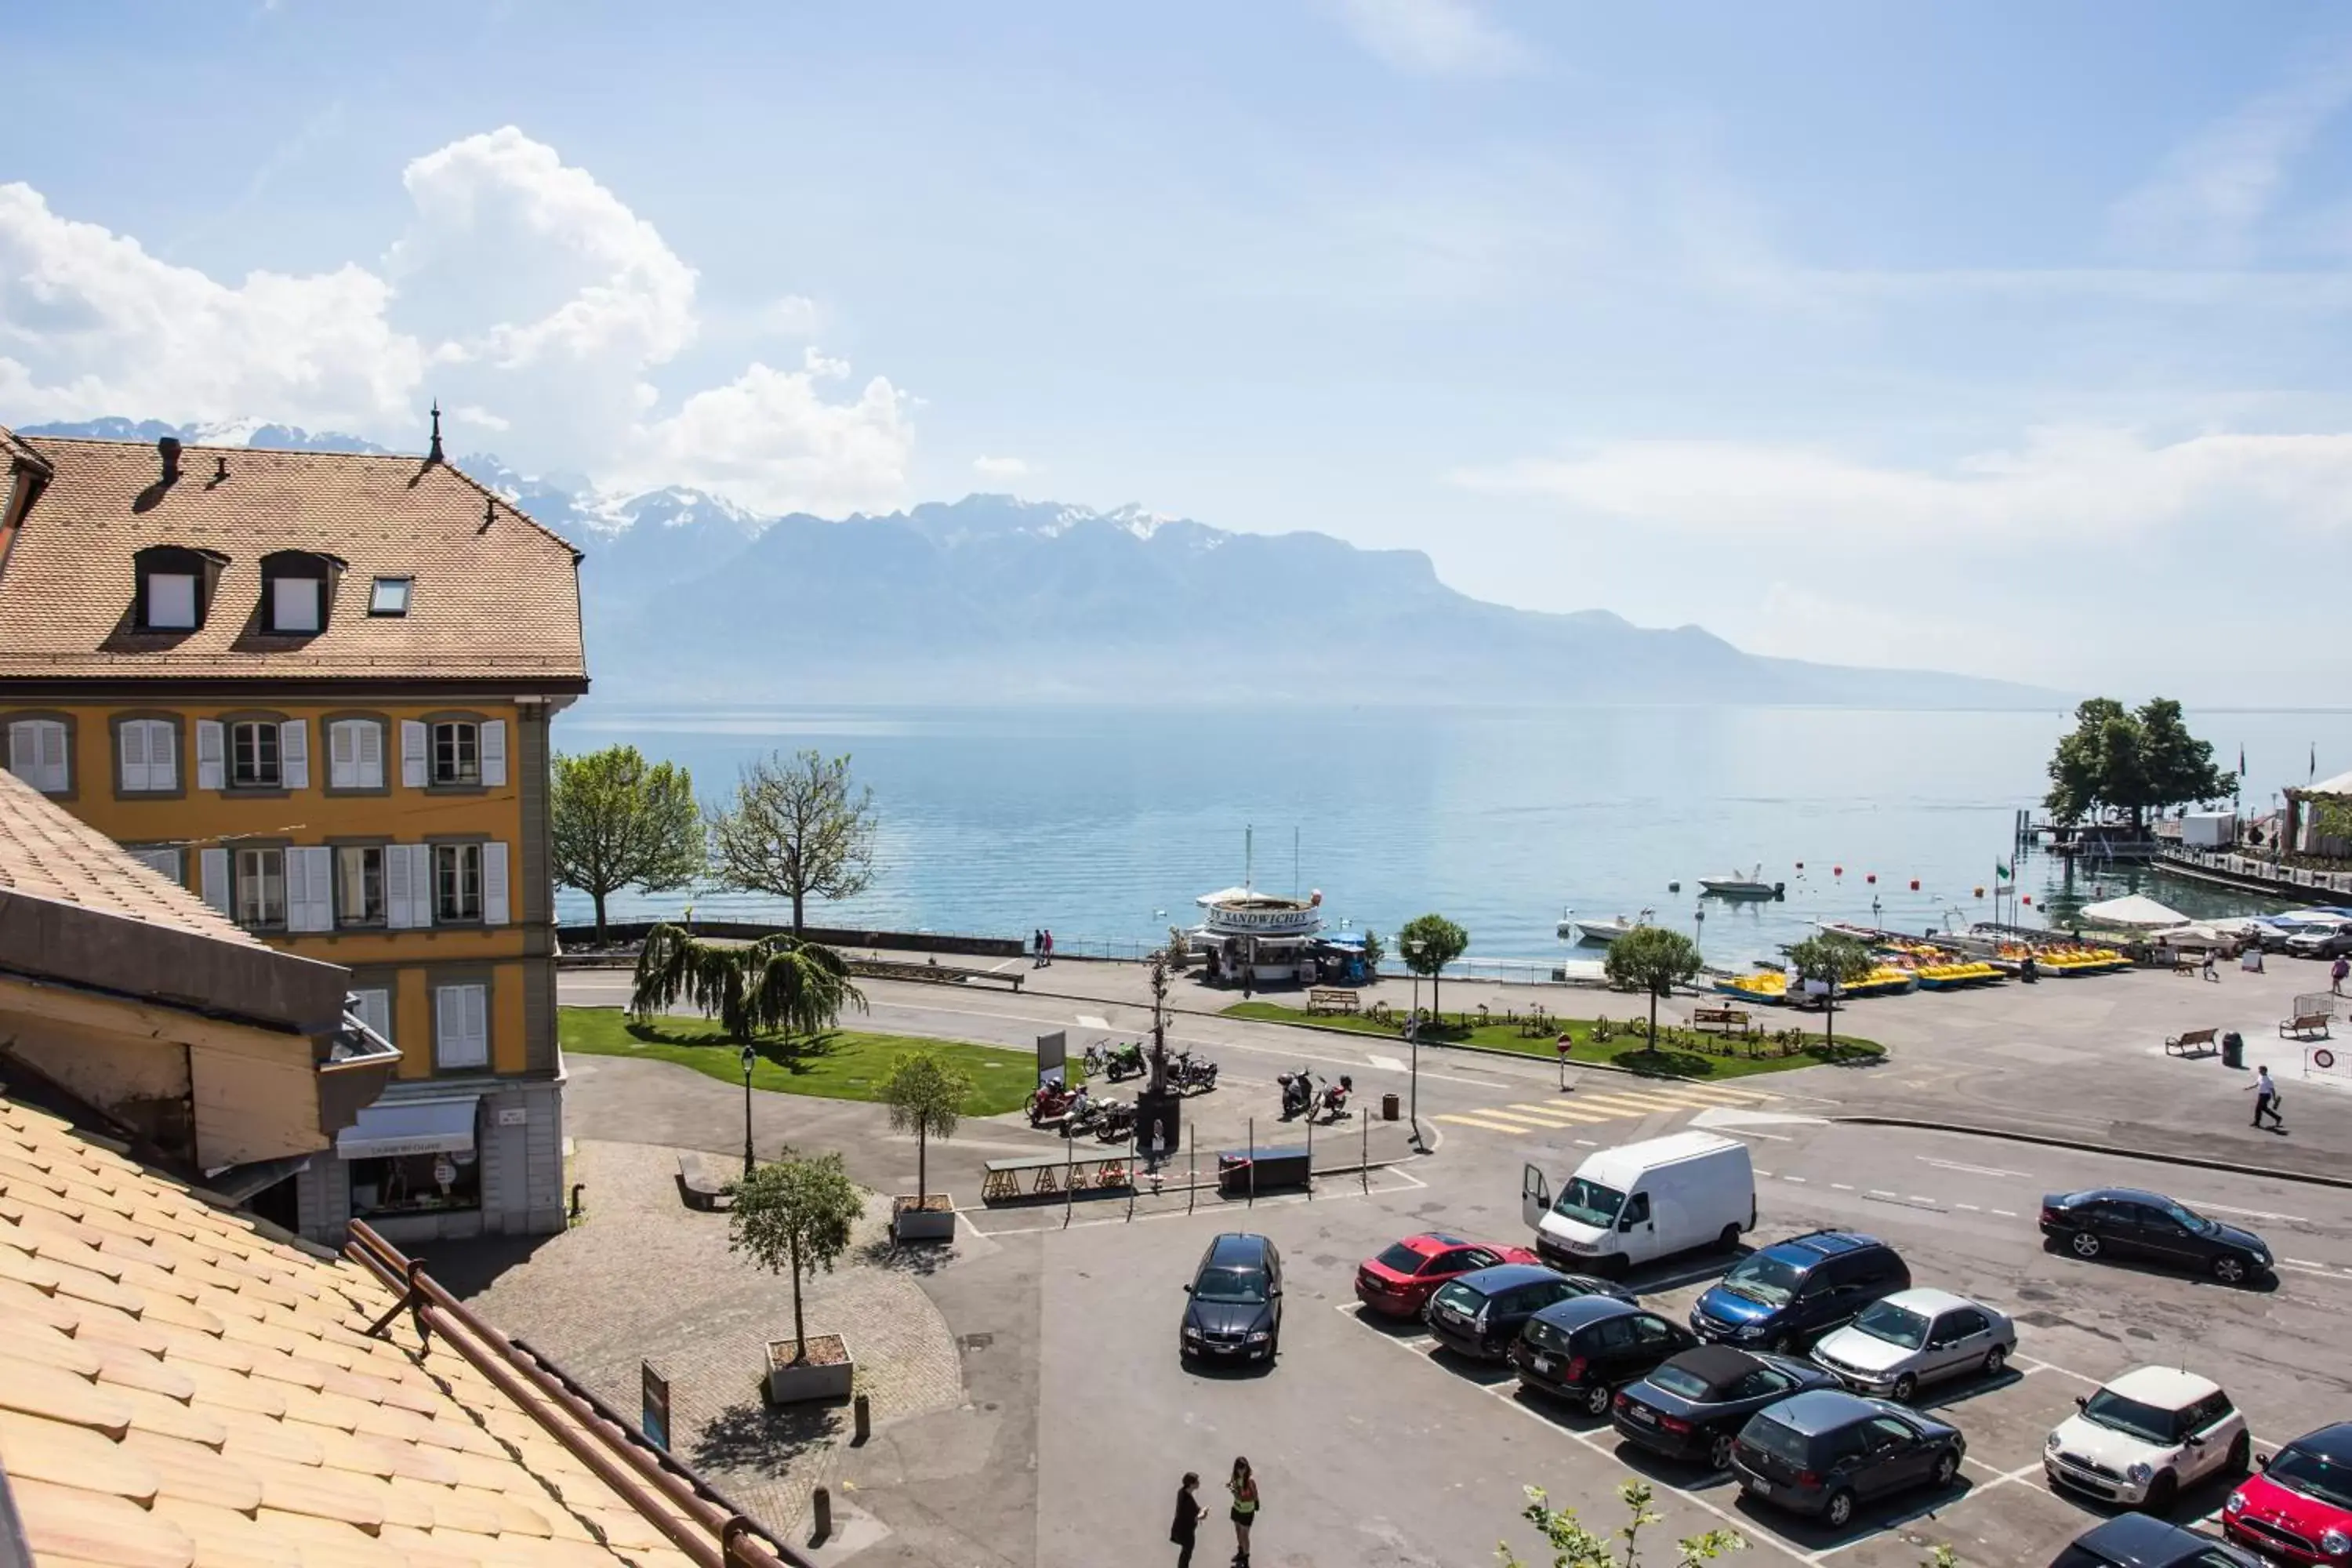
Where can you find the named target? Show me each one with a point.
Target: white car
(1912, 1337)
(2144, 1435)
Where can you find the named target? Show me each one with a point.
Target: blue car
(1789, 1294)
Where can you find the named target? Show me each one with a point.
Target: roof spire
(434, 454)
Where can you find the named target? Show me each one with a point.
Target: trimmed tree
(926, 1096)
(1373, 954)
(1840, 960)
(795, 1216)
(617, 821)
(1573, 1545)
(798, 825)
(1429, 943)
(1652, 959)
(776, 985)
(2115, 762)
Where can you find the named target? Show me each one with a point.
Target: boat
(1598, 932)
(1736, 886)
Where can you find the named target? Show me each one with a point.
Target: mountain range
(688, 597)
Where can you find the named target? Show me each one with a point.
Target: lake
(1105, 825)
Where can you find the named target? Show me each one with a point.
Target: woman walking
(1243, 1486)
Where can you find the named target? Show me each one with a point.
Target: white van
(1641, 1202)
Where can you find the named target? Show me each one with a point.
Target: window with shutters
(372, 1005)
(38, 752)
(355, 754)
(461, 1028)
(147, 756)
(253, 755)
(358, 885)
(456, 882)
(261, 887)
(457, 752)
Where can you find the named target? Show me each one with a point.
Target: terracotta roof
(499, 600)
(177, 1387)
(15, 448)
(47, 853)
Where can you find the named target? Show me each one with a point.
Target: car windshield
(1462, 1299)
(1764, 1278)
(1895, 1325)
(1242, 1286)
(2145, 1422)
(1589, 1202)
(1402, 1259)
(2188, 1219)
(2313, 1475)
(1682, 1380)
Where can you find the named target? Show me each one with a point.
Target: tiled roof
(496, 598)
(15, 447)
(47, 853)
(178, 1388)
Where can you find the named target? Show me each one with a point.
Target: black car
(1235, 1312)
(2138, 1541)
(1480, 1314)
(1585, 1350)
(1785, 1296)
(2123, 1222)
(1826, 1451)
(1693, 1407)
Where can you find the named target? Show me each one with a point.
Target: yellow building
(316, 689)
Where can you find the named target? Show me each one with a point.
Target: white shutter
(164, 861)
(210, 747)
(50, 773)
(494, 885)
(420, 885)
(294, 754)
(396, 891)
(163, 755)
(414, 742)
(368, 752)
(374, 1009)
(462, 1033)
(132, 739)
(24, 750)
(494, 752)
(213, 870)
(342, 755)
(311, 889)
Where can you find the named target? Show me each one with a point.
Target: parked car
(1641, 1202)
(1916, 1336)
(1480, 1314)
(1400, 1281)
(2276, 932)
(2136, 1541)
(1693, 1407)
(1826, 1452)
(2127, 1222)
(1587, 1347)
(1235, 1310)
(2298, 1507)
(2317, 941)
(2146, 1435)
(1785, 1295)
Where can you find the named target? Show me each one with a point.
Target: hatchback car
(2136, 1541)
(2146, 1435)
(1917, 1336)
(1693, 1407)
(1783, 1296)
(1480, 1315)
(1236, 1312)
(1400, 1281)
(1827, 1451)
(2298, 1507)
(2124, 1221)
(2320, 942)
(1586, 1349)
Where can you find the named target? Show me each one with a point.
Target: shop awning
(413, 1127)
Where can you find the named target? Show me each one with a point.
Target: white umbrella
(2132, 910)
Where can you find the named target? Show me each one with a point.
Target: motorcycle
(1116, 1122)
(1121, 1061)
(1335, 1100)
(1298, 1092)
(1051, 1101)
(1187, 1075)
(1086, 1114)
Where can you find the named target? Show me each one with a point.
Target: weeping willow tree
(777, 986)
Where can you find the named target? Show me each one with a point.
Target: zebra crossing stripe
(1546, 1120)
(1572, 1117)
(1482, 1125)
(1629, 1105)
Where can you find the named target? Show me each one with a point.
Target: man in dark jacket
(1188, 1519)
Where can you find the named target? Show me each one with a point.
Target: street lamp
(751, 1060)
(1412, 1038)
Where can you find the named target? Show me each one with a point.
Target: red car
(1400, 1280)
(2298, 1507)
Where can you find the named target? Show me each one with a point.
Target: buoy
(1914, 884)
(2029, 900)
(1871, 879)
(1674, 887)
(1837, 870)
(1979, 892)
(1801, 865)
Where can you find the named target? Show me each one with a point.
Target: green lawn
(847, 1064)
(1676, 1060)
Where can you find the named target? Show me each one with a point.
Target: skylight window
(389, 597)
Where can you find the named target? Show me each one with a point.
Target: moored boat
(1739, 885)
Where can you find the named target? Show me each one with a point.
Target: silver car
(1914, 1337)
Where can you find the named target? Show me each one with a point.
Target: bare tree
(798, 825)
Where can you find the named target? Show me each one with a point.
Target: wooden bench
(703, 1189)
(933, 973)
(1323, 1000)
(1722, 1021)
(1098, 1172)
(2194, 1043)
(2304, 1027)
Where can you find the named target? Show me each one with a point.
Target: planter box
(827, 1372)
(923, 1219)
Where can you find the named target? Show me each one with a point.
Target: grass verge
(1620, 1050)
(847, 1064)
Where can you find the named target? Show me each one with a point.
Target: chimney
(168, 449)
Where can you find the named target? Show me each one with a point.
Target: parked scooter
(1298, 1092)
(1335, 1101)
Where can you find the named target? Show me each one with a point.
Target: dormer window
(297, 588)
(389, 597)
(174, 587)
(294, 604)
(171, 601)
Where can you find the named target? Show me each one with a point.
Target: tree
(2175, 767)
(618, 821)
(1373, 953)
(1429, 943)
(926, 1097)
(1653, 958)
(1838, 961)
(776, 985)
(1573, 1546)
(794, 1214)
(798, 826)
(2118, 763)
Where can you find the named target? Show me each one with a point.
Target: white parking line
(1973, 1170)
(1880, 1192)
(2006, 1213)
(2253, 1214)
(1799, 1180)
(1970, 1208)
(1842, 1187)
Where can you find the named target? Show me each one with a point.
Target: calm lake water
(1106, 825)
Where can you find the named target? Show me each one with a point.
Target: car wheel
(1596, 1400)
(1904, 1387)
(1729, 1240)
(1996, 1360)
(2241, 1455)
(2084, 1243)
(2160, 1493)
(1947, 1465)
(2229, 1269)
(1718, 1451)
(1838, 1512)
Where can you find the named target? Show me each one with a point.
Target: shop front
(436, 1161)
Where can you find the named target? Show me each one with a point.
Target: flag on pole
(2314, 758)
(1999, 871)
(2241, 759)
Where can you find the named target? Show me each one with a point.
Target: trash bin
(1388, 1108)
(2233, 1050)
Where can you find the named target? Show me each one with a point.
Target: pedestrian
(2336, 972)
(2266, 1097)
(1188, 1519)
(1243, 1486)
(1037, 947)
(1049, 946)
(2209, 973)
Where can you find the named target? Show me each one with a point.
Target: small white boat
(1750, 885)
(1598, 932)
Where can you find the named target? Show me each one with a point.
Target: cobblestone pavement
(647, 1277)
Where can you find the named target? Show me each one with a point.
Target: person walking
(1188, 1519)
(1037, 947)
(2335, 973)
(2209, 973)
(1243, 1486)
(2266, 1097)
(1049, 946)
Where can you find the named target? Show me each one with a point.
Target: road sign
(1052, 1053)
(654, 1418)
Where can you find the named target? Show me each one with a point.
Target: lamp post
(1412, 1038)
(751, 1060)
(1698, 924)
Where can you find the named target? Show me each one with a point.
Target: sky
(2000, 338)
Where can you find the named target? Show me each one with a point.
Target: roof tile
(33, 1389)
(68, 1522)
(192, 1470)
(169, 1417)
(74, 1456)
(227, 1538)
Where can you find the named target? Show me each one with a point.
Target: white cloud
(769, 439)
(2218, 185)
(989, 468)
(789, 316)
(474, 414)
(1434, 38)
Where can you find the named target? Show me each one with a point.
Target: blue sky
(1999, 338)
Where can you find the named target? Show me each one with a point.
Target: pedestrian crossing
(1589, 1109)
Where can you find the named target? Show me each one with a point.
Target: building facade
(315, 688)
